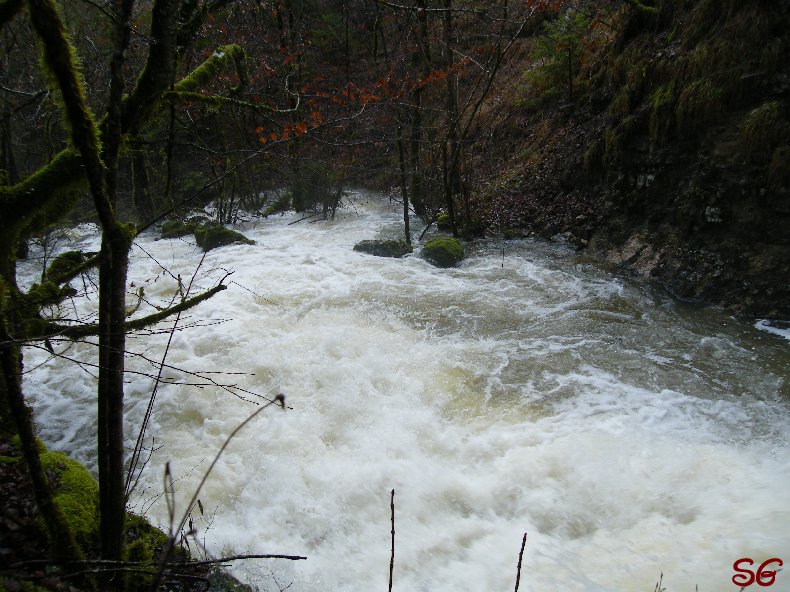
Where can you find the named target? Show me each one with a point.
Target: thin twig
(392, 552)
(131, 480)
(520, 556)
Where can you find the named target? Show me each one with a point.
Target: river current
(532, 391)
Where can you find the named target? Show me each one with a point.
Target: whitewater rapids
(534, 391)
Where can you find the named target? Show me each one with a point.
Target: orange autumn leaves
(289, 130)
(352, 95)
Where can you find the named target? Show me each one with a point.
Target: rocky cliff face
(673, 159)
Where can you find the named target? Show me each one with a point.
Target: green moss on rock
(215, 235)
(443, 251)
(144, 545)
(281, 204)
(762, 130)
(443, 221)
(220, 581)
(662, 113)
(177, 228)
(699, 105)
(76, 494)
(384, 248)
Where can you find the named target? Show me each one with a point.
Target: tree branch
(78, 331)
(642, 8)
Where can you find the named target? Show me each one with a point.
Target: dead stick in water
(392, 552)
(520, 556)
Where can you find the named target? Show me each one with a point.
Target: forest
(651, 136)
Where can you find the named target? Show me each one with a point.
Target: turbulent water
(533, 391)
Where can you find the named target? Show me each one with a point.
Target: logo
(762, 577)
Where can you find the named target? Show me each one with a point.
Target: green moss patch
(281, 204)
(762, 130)
(76, 494)
(384, 248)
(443, 251)
(699, 105)
(65, 264)
(47, 293)
(177, 228)
(443, 222)
(662, 112)
(215, 235)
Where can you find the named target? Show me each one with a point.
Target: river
(536, 391)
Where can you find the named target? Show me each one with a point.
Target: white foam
(765, 325)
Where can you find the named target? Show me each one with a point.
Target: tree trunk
(403, 191)
(415, 147)
(112, 344)
(141, 189)
(63, 546)
(452, 175)
(7, 160)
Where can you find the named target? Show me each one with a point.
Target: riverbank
(670, 160)
(25, 552)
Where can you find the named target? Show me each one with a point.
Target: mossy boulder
(443, 251)
(215, 235)
(76, 494)
(443, 221)
(177, 228)
(280, 204)
(384, 248)
(220, 581)
(145, 544)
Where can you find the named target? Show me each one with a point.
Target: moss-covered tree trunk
(64, 547)
(112, 344)
(141, 188)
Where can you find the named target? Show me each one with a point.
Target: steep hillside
(667, 150)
